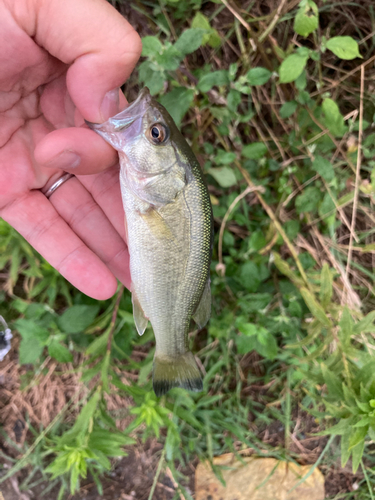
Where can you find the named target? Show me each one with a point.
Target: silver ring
(57, 184)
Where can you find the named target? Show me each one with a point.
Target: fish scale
(169, 229)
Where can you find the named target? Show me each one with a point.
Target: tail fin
(180, 371)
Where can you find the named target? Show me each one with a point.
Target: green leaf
(301, 83)
(84, 419)
(345, 452)
(151, 46)
(77, 318)
(344, 47)
(177, 103)
(363, 422)
(249, 276)
(365, 407)
(254, 151)
(332, 382)
(365, 324)
(288, 109)
(59, 352)
(104, 370)
(216, 78)
(327, 209)
(333, 118)
(346, 327)
(308, 200)
(263, 342)
(169, 59)
(285, 268)
(292, 67)
(258, 76)
(224, 176)
(234, 99)
(306, 20)
(357, 453)
(155, 81)
(247, 329)
(99, 345)
(315, 308)
(225, 157)
(323, 167)
(30, 350)
(212, 37)
(325, 285)
(190, 40)
(30, 329)
(339, 429)
(358, 436)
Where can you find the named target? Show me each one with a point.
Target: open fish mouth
(126, 117)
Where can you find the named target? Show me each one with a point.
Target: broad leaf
(216, 78)
(258, 76)
(292, 67)
(190, 40)
(307, 18)
(333, 118)
(77, 318)
(254, 151)
(344, 47)
(224, 176)
(177, 103)
(59, 352)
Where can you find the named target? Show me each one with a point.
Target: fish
(169, 232)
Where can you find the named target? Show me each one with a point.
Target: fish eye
(158, 133)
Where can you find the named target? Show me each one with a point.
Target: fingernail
(110, 104)
(65, 160)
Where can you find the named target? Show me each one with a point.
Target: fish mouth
(126, 117)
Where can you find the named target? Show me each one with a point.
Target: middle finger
(87, 219)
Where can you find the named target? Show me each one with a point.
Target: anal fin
(139, 316)
(203, 311)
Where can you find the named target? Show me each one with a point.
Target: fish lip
(127, 116)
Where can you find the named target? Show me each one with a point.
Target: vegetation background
(277, 99)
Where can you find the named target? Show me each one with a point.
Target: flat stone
(257, 479)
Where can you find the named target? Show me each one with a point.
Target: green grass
(272, 105)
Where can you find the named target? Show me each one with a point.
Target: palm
(80, 229)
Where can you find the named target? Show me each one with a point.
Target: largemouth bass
(168, 219)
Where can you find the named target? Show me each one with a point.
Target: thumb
(99, 44)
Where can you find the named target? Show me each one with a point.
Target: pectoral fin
(157, 225)
(139, 316)
(203, 311)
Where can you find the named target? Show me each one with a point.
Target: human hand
(61, 63)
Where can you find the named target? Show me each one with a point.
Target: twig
(221, 267)
(358, 171)
(254, 42)
(170, 475)
(338, 82)
(273, 23)
(237, 15)
(158, 470)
